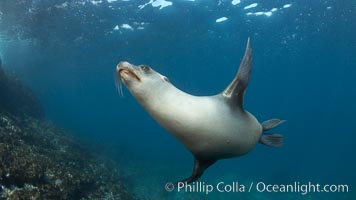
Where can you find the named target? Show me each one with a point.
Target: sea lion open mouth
(123, 72)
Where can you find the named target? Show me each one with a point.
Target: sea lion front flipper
(236, 90)
(199, 167)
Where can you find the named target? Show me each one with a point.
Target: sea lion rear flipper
(272, 140)
(199, 167)
(269, 124)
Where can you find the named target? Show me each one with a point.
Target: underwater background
(304, 71)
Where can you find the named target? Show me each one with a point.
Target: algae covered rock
(40, 161)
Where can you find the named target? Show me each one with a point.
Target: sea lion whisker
(118, 85)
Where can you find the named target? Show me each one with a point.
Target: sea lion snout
(123, 64)
(126, 71)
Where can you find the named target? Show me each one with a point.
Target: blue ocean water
(304, 71)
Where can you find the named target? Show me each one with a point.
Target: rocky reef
(41, 161)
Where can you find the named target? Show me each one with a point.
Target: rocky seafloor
(38, 160)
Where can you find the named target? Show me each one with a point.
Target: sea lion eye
(145, 68)
(166, 79)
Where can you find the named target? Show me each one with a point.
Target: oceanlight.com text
(303, 189)
(261, 187)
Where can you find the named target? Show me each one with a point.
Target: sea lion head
(142, 81)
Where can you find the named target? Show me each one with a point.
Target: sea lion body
(206, 125)
(210, 127)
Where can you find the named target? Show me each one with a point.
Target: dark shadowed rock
(16, 99)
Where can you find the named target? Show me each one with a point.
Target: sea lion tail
(272, 140)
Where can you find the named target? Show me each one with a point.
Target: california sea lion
(210, 127)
